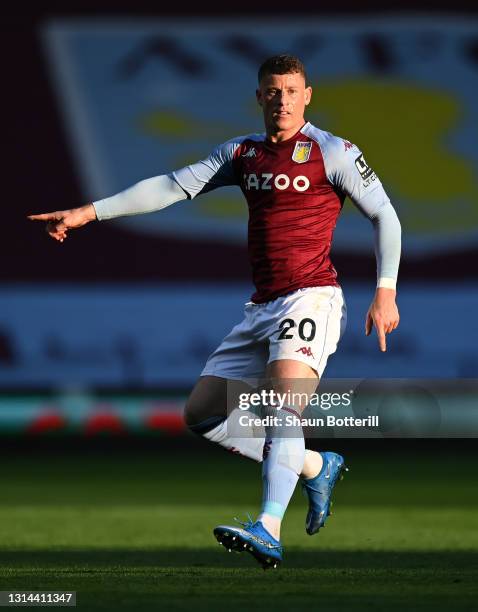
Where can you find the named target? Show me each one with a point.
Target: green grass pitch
(133, 531)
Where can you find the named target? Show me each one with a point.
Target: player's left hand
(383, 315)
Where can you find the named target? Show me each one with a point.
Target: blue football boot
(319, 490)
(252, 538)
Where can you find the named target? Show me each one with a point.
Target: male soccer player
(295, 178)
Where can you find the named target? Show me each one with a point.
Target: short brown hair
(282, 64)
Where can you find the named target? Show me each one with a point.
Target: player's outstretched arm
(143, 197)
(58, 223)
(149, 195)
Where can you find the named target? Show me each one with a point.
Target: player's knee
(197, 413)
(207, 400)
(190, 414)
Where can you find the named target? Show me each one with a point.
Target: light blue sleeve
(160, 191)
(210, 173)
(348, 171)
(387, 243)
(146, 196)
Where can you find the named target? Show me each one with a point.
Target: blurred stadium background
(101, 338)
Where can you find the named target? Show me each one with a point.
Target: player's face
(283, 98)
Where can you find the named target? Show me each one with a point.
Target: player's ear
(308, 95)
(259, 97)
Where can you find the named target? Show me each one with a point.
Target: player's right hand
(59, 222)
(383, 315)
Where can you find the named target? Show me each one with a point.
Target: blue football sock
(283, 460)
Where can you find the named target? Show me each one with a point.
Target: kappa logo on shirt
(250, 153)
(305, 350)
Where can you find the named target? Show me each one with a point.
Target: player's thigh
(290, 368)
(292, 379)
(207, 399)
(240, 356)
(308, 327)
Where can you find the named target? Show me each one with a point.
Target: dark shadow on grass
(211, 580)
(90, 559)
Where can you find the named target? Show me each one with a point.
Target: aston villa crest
(301, 152)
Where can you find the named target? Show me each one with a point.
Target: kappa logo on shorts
(305, 350)
(301, 152)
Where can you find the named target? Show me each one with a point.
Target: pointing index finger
(381, 338)
(45, 217)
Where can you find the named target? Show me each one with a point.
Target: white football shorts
(305, 325)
